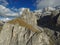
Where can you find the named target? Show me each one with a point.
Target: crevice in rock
(12, 33)
(30, 39)
(55, 33)
(12, 30)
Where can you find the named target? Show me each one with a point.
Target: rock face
(5, 34)
(15, 34)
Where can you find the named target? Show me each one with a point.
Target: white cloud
(6, 11)
(4, 2)
(46, 3)
(5, 19)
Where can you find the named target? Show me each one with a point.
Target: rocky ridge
(13, 33)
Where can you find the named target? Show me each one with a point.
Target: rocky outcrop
(5, 35)
(12, 33)
(17, 35)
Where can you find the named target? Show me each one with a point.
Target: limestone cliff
(22, 30)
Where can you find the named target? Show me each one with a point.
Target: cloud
(9, 14)
(6, 11)
(46, 3)
(4, 2)
(5, 19)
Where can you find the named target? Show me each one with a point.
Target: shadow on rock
(49, 21)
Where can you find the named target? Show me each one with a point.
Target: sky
(45, 3)
(11, 7)
(22, 3)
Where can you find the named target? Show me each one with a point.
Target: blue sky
(32, 4)
(21, 3)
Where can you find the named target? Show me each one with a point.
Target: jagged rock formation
(13, 33)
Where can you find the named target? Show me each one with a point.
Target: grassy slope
(21, 22)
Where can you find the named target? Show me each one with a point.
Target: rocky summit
(39, 27)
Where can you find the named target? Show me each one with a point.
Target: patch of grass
(21, 22)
